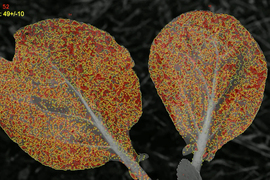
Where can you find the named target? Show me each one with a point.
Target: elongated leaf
(210, 74)
(70, 96)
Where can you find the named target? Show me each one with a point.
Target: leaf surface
(210, 74)
(70, 95)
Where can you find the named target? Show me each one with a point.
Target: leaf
(185, 171)
(210, 74)
(70, 96)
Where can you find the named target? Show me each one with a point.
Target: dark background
(134, 24)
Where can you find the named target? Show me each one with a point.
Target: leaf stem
(204, 135)
(203, 138)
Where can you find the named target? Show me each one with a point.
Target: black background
(134, 24)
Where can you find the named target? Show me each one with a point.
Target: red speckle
(79, 68)
(99, 77)
(58, 157)
(158, 59)
(111, 49)
(72, 150)
(71, 49)
(30, 72)
(84, 88)
(99, 48)
(16, 69)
